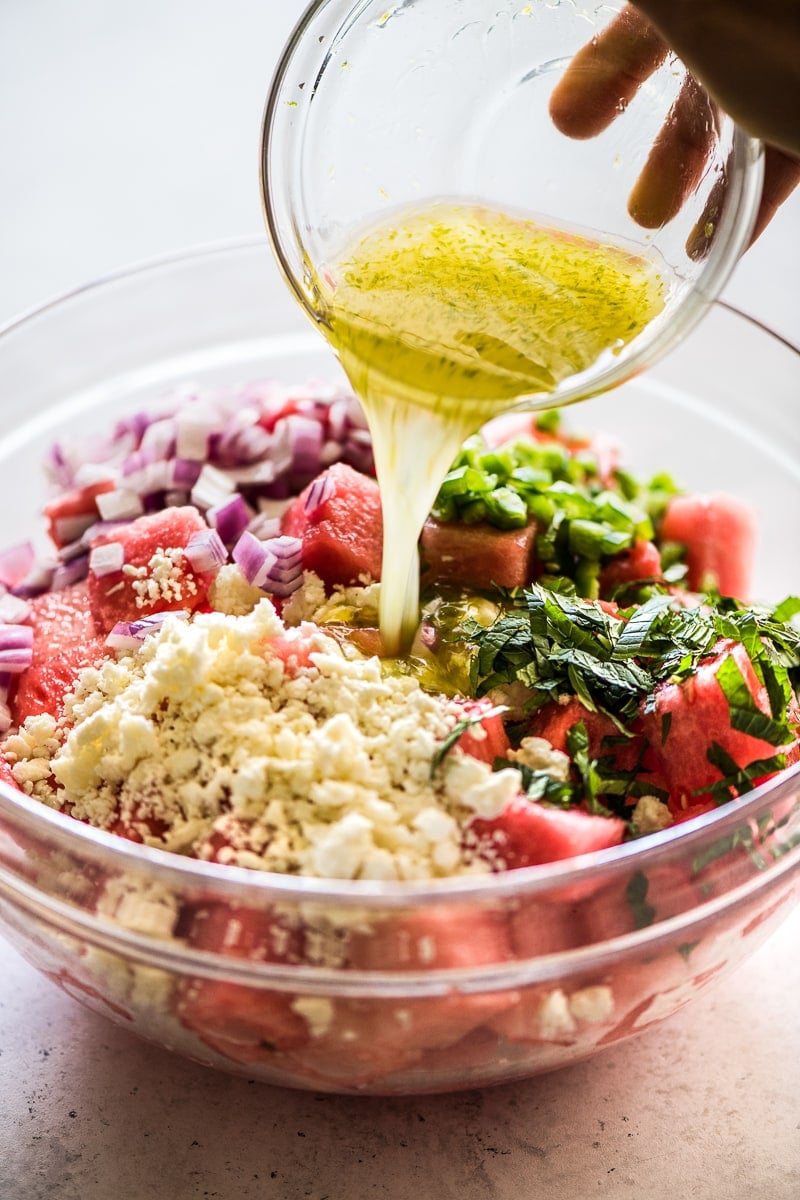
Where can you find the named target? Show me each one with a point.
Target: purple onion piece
(319, 491)
(194, 426)
(184, 473)
(263, 526)
(106, 559)
(16, 648)
(230, 519)
(253, 558)
(38, 580)
(13, 609)
(70, 529)
(206, 551)
(71, 572)
(15, 563)
(123, 504)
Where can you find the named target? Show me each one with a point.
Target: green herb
(457, 732)
(636, 897)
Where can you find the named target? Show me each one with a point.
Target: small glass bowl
(393, 988)
(378, 107)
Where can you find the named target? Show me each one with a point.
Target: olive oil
(447, 316)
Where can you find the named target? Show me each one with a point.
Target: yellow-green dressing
(446, 316)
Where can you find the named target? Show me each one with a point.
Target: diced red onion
(129, 635)
(286, 549)
(274, 566)
(121, 504)
(15, 563)
(159, 437)
(184, 472)
(338, 420)
(100, 528)
(330, 453)
(320, 490)
(305, 436)
(258, 474)
(253, 558)
(71, 528)
(213, 487)
(206, 551)
(73, 550)
(137, 461)
(264, 526)
(242, 440)
(155, 477)
(230, 518)
(13, 609)
(70, 572)
(106, 559)
(89, 472)
(5, 717)
(16, 648)
(175, 499)
(194, 426)
(38, 579)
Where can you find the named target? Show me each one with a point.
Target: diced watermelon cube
(554, 721)
(64, 641)
(719, 534)
(343, 536)
(526, 834)
(122, 597)
(43, 686)
(246, 1025)
(487, 740)
(642, 561)
(689, 716)
(61, 621)
(479, 555)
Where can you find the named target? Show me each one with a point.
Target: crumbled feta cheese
(555, 1019)
(651, 815)
(592, 1004)
(239, 739)
(538, 754)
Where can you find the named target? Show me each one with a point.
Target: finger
(605, 75)
(677, 161)
(781, 177)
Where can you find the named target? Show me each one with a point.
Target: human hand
(607, 73)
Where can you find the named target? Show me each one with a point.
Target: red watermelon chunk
(243, 1024)
(343, 536)
(554, 721)
(478, 555)
(486, 740)
(61, 621)
(642, 561)
(526, 834)
(695, 714)
(64, 641)
(719, 535)
(115, 597)
(43, 686)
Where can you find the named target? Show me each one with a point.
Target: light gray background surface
(129, 130)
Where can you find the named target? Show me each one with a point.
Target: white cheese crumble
(235, 738)
(651, 815)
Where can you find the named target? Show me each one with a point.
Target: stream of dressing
(444, 317)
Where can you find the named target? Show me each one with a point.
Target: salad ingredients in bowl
(230, 821)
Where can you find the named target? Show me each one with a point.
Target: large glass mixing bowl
(512, 974)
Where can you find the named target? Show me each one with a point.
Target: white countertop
(131, 130)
